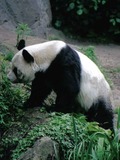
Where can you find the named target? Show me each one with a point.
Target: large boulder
(35, 13)
(43, 149)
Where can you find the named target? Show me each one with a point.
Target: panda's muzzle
(15, 76)
(12, 77)
(19, 75)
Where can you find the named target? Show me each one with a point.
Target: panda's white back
(93, 85)
(45, 53)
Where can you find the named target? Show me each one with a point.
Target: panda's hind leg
(102, 113)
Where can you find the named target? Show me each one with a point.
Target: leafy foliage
(83, 18)
(79, 139)
(11, 102)
(10, 96)
(22, 31)
(89, 52)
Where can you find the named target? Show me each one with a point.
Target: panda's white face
(23, 70)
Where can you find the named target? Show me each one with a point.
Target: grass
(115, 70)
(89, 52)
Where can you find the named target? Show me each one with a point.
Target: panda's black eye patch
(15, 71)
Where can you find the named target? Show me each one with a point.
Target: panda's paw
(29, 104)
(50, 109)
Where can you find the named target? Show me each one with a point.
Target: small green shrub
(11, 97)
(11, 104)
(90, 53)
(8, 56)
(22, 31)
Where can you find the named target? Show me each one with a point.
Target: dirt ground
(109, 56)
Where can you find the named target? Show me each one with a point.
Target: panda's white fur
(42, 56)
(42, 59)
(93, 86)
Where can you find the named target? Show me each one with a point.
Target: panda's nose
(11, 76)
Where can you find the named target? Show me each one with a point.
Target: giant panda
(76, 80)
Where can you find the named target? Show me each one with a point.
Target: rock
(43, 149)
(37, 14)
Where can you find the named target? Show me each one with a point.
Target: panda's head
(23, 67)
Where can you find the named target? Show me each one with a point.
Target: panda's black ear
(27, 56)
(21, 44)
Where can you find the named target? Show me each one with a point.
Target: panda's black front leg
(65, 103)
(37, 97)
(39, 91)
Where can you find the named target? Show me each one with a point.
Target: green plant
(11, 103)
(115, 70)
(90, 53)
(100, 146)
(8, 56)
(10, 96)
(22, 31)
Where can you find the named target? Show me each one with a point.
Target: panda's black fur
(20, 44)
(64, 77)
